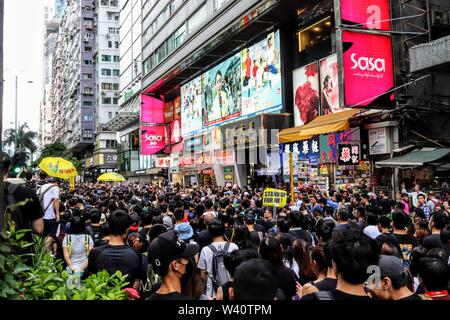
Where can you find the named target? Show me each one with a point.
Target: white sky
(23, 56)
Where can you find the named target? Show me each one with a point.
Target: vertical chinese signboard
(348, 155)
(366, 71)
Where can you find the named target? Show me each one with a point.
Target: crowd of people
(205, 243)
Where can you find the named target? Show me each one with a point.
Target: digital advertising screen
(152, 110)
(261, 75)
(221, 93)
(329, 85)
(191, 107)
(306, 93)
(152, 139)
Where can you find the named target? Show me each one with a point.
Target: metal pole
(291, 173)
(15, 122)
(2, 190)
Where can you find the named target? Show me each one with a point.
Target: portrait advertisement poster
(367, 70)
(329, 85)
(152, 110)
(221, 93)
(176, 108)
(306, 94)
(168, 111)
(152, 139)
(261, 75)
(368, 14)
(175, 131)
(191, 106)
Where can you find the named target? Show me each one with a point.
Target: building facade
(126, 121)
(52, 19)
(74, 82)
(106, 61)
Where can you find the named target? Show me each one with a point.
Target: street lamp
(15, 119)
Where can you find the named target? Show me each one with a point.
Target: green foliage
(12, 265)
(44, 277)
(25, 143)
(58, 149)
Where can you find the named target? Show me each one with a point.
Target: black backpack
(220, 275)
(15, 211)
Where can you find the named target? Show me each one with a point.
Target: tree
(57, 149)
(25, 141)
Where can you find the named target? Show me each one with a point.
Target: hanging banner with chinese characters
(329, 145)
(306, 149)
(348, 155)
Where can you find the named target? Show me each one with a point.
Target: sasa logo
(153, 138)
(368, 63)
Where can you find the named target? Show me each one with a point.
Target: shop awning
(320, 125)
(414, 159)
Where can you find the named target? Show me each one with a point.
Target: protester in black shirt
(232, 260)
(116, 255)
(172, 259)
(27, 216)
(385, 202)
(254, 281)
(256, 236)
(270, 249)
(445, 239)
(406, 242)
(438, 222)
(352, 254)
(203, 238)
(394, 280)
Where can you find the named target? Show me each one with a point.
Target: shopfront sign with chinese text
(329, 145)
(348, 155)
(306, 149)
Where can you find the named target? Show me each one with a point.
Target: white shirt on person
(51, 192)
(205, 263)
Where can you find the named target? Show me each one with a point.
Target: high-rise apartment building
(74, 82)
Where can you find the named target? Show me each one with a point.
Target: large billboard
(329, 85)
(306, 94)
(244, 85)
(261, 75)
(152, 110)
(367, 69)
(191, 107)
(152, 139)
(367, 14)
(221, 93)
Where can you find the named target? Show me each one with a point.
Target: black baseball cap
(168, 247)
(391, 267)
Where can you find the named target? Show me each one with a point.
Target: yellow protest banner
(274, 198)
(72, 183)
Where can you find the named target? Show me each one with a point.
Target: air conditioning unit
(103, 93)
(108, 36)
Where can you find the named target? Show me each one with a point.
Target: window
(116, 59)
(104, 2)
(87, 103)
(115, 100)
(87, 76)
(111, 143)
(314, 35)
(116, 17)
(106, 100)
(113, 30)
(117, 45)
(180, 35)
(88, 49)
(109, 44)
(115, 86)
(109, 117)
(107, 86)
(106, 58)
(106, 72)
(88, 91)
(114, 3)
(110, 16)
(197, 19)
(87, 118)
(87, 8)
(116, 72)
(87, 62)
